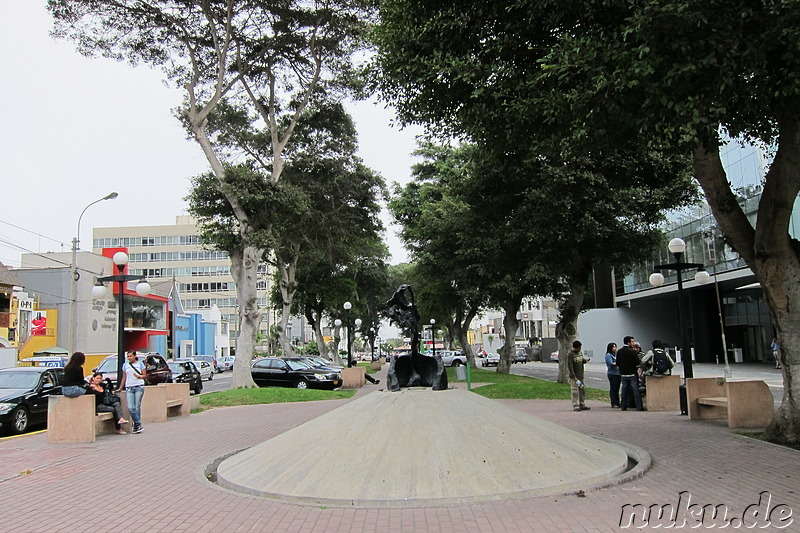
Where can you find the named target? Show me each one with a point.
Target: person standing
(628, 364)
(132, 382)
(73, 384)
(776, 351)
(612, 372)
(575, 362)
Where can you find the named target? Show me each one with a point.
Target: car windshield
(178, 368)
(295, 364)
(109, 365)
(19, 380)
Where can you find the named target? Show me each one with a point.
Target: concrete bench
(164, 400)
(663, 393)
(353, 378)
(74, 420)
(746, 404)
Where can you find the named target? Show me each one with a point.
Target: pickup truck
(453, 358)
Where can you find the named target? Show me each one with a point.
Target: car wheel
(198, 388)
(21, 420)
(301, 384)
(456, 362)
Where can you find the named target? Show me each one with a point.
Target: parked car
(453, 358)
(186, 372)
(491, 359)
(24, 395)
(225, 363)
(204, 367)
(520, 355)
(157, 369)
(321, 362)
(209, 358)
(554, 356)
(277, 372)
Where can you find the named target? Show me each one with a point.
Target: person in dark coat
(628, 364)
(73, 384)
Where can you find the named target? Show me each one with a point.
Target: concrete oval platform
(419, 447)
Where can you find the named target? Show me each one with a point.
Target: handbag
(109, 398)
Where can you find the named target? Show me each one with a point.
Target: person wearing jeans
(133, 375)
(612, 371)
(628, 364)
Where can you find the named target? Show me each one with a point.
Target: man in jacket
(628, 364)
(575, 362)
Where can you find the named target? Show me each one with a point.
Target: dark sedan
(275, 372)
(186, 372)
(24, 393)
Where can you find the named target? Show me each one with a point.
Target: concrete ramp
(419, 447)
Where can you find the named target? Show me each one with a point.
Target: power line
(34, 233)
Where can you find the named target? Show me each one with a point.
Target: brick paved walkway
(155, 481)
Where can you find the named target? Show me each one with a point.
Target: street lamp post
(677, 247)
(99, 291)
(73, 292)
(372, 339)
(433, 335)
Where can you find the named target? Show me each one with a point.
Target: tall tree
(269, 58)
(543, 239)
(684, 73)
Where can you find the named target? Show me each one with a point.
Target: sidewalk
(155, 481)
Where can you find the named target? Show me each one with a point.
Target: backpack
(660, 362)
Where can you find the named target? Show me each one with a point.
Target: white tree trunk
(244, 268)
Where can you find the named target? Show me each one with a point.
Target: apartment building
(203, 275)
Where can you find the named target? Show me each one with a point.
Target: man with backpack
(657, 361)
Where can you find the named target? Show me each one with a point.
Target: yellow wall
(41, 342)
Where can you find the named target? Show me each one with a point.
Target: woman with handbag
(106, 401)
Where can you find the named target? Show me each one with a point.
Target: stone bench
(663, 393)
(74, 420)
(745, 404)
(164, 400)
(353, 378)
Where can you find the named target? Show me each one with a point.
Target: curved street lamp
(73, 292)
(99, 291)
(677, 247)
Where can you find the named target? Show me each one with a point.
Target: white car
(204, 367)
(225, 363)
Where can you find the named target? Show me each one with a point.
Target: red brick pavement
(155, 481)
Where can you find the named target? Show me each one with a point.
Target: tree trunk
(510, 325)
(460, 327)
(316, 324)
(337, 339)
(244, 268)
(770, 253)
(567, 328)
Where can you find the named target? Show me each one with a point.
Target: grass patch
(514, 387)
(231, 397)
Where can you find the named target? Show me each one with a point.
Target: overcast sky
(75, 129)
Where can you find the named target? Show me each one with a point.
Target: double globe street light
(338, 323)
(99, 291)
(677, 247)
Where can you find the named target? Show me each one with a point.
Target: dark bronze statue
(414, 369)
